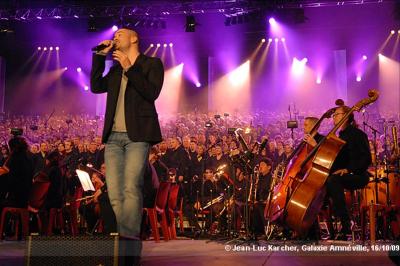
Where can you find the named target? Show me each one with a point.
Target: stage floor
(205, 252)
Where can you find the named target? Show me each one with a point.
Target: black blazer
(145, 79)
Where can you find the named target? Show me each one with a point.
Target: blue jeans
(125, 165)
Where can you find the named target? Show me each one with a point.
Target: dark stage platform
(204, 252)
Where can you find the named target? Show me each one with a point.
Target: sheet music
(85, 180)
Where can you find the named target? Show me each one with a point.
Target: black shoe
(132, 261)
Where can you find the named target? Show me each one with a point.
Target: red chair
(159, 208)
(37, 197)
(172, 202)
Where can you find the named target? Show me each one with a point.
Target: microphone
(100, 47)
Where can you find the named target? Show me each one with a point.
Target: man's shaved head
(124, 38)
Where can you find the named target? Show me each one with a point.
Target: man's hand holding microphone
(119, 56)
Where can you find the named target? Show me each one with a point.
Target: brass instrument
(253, 191)
(395, 141)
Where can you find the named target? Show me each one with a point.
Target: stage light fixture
(171, 44)
(86, 88)
(190, 24)
(39, 48)
(51, 48)
(283, 39)
(227, 21)
(270, 40)
(158, 45)
(198, 84)
(151, 45)
(276, 39)
(114, 28)
(392, 32)
(165, 45)
(57, 48)
(358, 79)
(364, 57)
(92, 25)
(45, 49)
(79, 69)
(262, 40)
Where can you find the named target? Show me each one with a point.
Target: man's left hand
(122, 59)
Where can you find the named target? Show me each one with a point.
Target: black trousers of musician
(258, 219)
(336, 184)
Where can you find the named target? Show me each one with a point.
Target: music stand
(85, 180)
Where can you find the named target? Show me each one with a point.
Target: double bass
(289, 169)
(308, 176)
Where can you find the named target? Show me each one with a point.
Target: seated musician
(349, 170)
(263, 187)
(308, 125)
(210, 191)
(90, 209)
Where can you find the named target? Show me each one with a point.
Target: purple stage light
(65, 68)
(318, 81)
(51, 48)
(262, 40)
(79, 69)
(57, 48)
(269, 40)
(151, 45)
(86, 88)
(272, 21)
(198, 84)
(358, 79)
(165, 45)
(114, 28)
(392, 32)
(45, 49)
(283, 39)
(276, 39)
(364, 57)
(39, 48)
(171, 44)
(158, 45)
